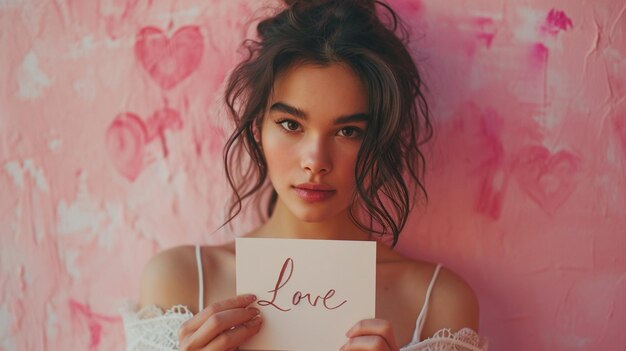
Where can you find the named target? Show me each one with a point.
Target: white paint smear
(9, 3)
(528, 31)
(7, 341)
(14, 170)
(83, 214)
(37, 174)
(86, 215)
(115, 216)
(54, 145)
(31, 80)
(52, 323)
(70, 263)
(81, 48)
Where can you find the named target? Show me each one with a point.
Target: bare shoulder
(169, 278)
(453, 304)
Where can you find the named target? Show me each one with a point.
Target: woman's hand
(370, 335)
(222, 326)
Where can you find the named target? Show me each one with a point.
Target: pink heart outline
(169, 61)
(548, 179)
(126, 138)
(128, 135)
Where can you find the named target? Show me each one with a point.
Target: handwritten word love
(298, 296)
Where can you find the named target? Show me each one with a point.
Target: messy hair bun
(326, 32)
(303, 4)
(312, 17)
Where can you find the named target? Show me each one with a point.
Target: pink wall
(108, 155)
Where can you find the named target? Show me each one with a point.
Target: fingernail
(254, 322)
(252, 297)
(254, 310)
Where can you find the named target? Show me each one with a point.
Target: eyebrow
(298, 113)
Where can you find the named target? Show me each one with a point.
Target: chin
(310, 215)
(313, 212)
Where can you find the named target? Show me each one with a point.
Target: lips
(312, 192)
(314, 186)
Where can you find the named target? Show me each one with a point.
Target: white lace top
(151, 329)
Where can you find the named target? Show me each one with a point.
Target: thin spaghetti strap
(419, 324)
(200, 279)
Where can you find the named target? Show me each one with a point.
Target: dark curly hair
(374, 46)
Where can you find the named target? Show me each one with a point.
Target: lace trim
(131, 310)
(465, 339)
(150, 328)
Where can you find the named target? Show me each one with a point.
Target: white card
(309, 292)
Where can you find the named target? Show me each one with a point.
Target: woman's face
(311, 135)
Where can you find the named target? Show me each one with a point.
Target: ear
(256, 131)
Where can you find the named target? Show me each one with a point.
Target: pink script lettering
(298, 296)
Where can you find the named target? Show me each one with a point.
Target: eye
(351, 132)
(289, 125)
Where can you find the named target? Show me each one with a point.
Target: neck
(283, 224)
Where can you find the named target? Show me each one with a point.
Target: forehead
(321, 90)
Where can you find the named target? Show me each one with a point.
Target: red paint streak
(547, 179)
(492, 188)
(620, 127)
(556, 21)
(483, 129)
(487, 30)
(161, 120)
(494, 182)
(539, 54)
(486, 38)
(22, 281)
(93, 321)
(169, 61)
(489, 201)
(125, 140)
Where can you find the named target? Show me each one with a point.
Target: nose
(316, 156)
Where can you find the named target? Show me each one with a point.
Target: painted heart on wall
(128, 135)
(126, 138)
(169, 61)
(548, 179)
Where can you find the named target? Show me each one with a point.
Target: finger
(196, 321)
(367, 343)
(219, 323)
(235, 337)
(379, 327)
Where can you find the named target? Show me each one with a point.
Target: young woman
(329, 110)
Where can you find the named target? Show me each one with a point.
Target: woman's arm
(171, 278)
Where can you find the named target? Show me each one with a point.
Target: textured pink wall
(111, 131)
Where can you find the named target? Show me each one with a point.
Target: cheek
(345, 163)
(276, 149)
